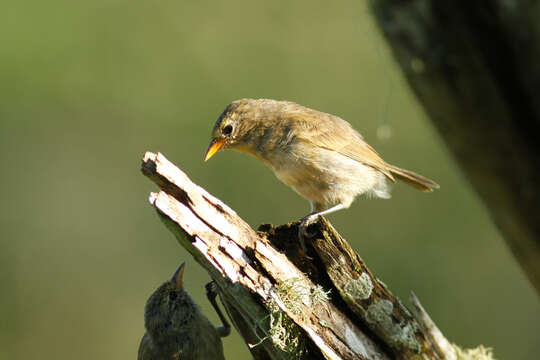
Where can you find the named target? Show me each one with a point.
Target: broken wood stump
(285, 303)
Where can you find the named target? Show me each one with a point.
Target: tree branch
(474, 67)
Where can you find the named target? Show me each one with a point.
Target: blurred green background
(87, 87)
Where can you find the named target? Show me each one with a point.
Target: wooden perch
(287, 304)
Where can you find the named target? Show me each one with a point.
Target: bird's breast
(301, 168)
(321, 175)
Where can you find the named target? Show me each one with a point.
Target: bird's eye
(173, 295)
(227, 130)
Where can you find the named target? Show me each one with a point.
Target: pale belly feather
(326, 177)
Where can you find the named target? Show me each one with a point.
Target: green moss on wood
(296, 295)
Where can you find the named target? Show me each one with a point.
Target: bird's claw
(303, 233)
(211, 290)
(211, 294)
(305, 223)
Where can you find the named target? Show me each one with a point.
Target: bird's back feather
(333, 133)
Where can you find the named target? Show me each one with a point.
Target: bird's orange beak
(215, 146)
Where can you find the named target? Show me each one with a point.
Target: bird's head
(239, 125)
(170, 307)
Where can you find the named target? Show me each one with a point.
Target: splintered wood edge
(222, 238)
(439, 341)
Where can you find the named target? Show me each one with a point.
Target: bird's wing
(146, 349)
(333, 133)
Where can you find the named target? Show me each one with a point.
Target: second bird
(176, 329)
(319, 155)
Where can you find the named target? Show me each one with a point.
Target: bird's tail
(418, 181)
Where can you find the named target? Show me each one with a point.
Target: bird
(176, 329)
(321, 156)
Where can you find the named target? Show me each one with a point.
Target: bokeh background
(87, 87)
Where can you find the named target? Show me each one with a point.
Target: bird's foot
(305, 223)
(211, 294)
(304, 233)
(211, 291)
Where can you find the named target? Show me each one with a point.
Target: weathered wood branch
(474, 67)
(323, 304)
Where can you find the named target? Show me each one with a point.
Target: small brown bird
(317, 154)
(176, 329)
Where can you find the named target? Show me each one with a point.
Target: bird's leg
(313, 216)
(331, 210)
(211, 294)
